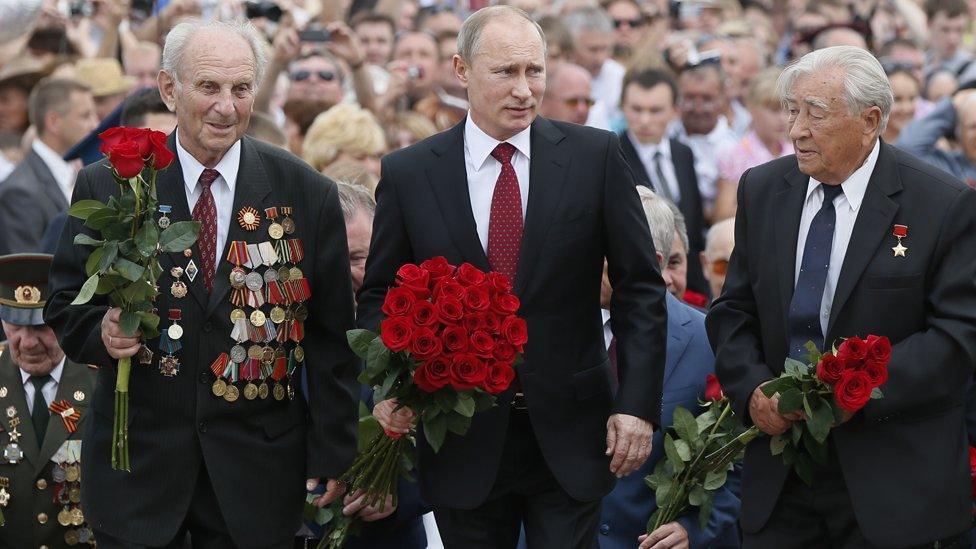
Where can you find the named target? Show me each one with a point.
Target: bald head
(840, 36)
(568, 99)
(718, 249)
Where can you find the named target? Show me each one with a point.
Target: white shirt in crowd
(846, 206)
(606, 87)
(222, 188)
(50, 389)
(483, 171)
(63, 173)
(704, 147)
(646, 153)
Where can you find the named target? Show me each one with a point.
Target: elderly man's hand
(764, 412)
(354, 504)
(390, 419)
(118, 343)
(669, 536)
(629, 442)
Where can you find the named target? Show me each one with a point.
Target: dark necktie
(805, 308)
(505, 221)
(205, 211)
(663, 189)
(612, 355)
(39, 412)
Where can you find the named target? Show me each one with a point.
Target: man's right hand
(117, 343)
(764, 412)
(391, 419)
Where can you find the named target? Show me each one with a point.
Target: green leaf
(108, 283)
(465, 405)
(446, 400)
(147, 238)
(458, 424)
(715, 480)
(148, 323)
(377, 359)
(790, 401)
(876, 393)
(816, 450)
(697, 495)
(705, 421)
(324, 516)
(131, 271)
(82, 239)
(671, 452)
(84, 208)
(380, 394)
(792, 366)
(684, 424)
(110, 251)
(179, 236)
(797, 430)
(87, 291)
(94, 258)
(813, 353)
(804, 468)
(359, 341)
(777, 443)
(483, 401)
(435, 430)
(683, 449)
(705, 511)
(820, 421)
(663, 489)
(129, 322)
(778, 385)
(137, 291)
(101, 219)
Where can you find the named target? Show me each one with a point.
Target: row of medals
(67, 490)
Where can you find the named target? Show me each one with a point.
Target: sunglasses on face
(300, 76)
(632, 23)
(575, 102)
(720, 266)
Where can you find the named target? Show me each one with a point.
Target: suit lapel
(46, 180)
(449, 181)
(547, 177)
(789, 208)
(872, 225)
(16, 397)
(250, 190)
(636, 165)
(678, 320)
(72, 379)
(684, 172)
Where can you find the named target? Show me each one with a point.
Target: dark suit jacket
(27, 499)
(257, 453)
(624, 514)
(904, 456)
(582, 207)
(690, 204)
(29, 198)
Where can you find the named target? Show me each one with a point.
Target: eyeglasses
(576, 102)
(720, 266)
(689, 103)
(301, 76)
(632, 23)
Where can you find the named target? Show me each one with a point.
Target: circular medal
(280, 352)
(72, 473)
(257, 318)
(77, 517)
(249, 218)
(188, 253)
(57, 474)
(267, 355)
(163, 222)
(299, 353)
(219, 387)
(238, 354)
(289, 314)
(84, 535)
(237, 314)
(64, 517)
(74, 496)
(279, 392)
(71, 536)
(276, 231)
(284, 274)
(254, 281)
(301, 313)
(277, 314)
(263, 390)
(255, 351)
(288, 225)
(232, 394)
(178, 289)
(250, 391)
(237, 278)
(296, 273)
(176, 272)
(270, 275)
(291, 391)
(175, 331)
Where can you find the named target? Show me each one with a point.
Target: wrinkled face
(377, 41)
(79, 121)
(145, 67)
(359, 231)
(592, 49)
(946, 33)
(34, 349)
(905, 89)
(629, 24)
(676, 271)
(648, 111)
(315, 78)
(702, 101)
(419, 50)
(505, 82)
(569, 97)
(214, 100)
(13, 109)
(770, 121)
(830, 142)
(715, 263)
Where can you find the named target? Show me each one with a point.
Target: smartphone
(315, 35)
(140, 10)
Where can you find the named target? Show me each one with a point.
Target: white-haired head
(179, 37)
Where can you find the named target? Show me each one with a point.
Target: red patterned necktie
(505, 222)
(205, 211)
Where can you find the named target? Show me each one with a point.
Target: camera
(140, 10)
(413, 73)
(81, 8)
(263, 8)
(315, 35)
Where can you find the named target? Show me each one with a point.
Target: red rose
(438, 267)
(126, 160)
(515, 331)
(853, 390)
(455, 339)
(506, 304)
(482, 344)
(877, 371)
(424, 344)
(433, 375)
(493, 322)
(111, 137)
(141, 137)
(829, 369)
(476, 298)
(449, 310)
(879, 349)
(853, 351)
(474, 322)
(694, 298)
(161, 154)
(396, 333)
(499, 283)
(448, 288)
(398, 302)
(713, 391)
(499, 377)
(467, 372)
(504, 352)
(469, 275)
(423, 313)
(415, 279)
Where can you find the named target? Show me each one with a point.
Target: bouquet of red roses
(449, 344)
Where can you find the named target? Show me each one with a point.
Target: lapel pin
(79, 396)
(249, 218)
(3, 392)
(899, 232)
(164, 219)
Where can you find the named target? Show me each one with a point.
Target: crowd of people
(693, 92)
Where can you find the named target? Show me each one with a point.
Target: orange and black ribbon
(70, 415)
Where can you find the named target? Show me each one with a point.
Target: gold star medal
(899, 232)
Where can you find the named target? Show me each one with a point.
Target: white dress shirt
(483, 171)
(646, 153)
(705, 147)
(50, 389)
(222, 188)
(63, 173)
(607, 85)
(846, 206)
(607, 330)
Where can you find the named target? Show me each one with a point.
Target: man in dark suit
(463, 194)
(216, 456)
(40, 186)
(40, 450)
(851, 236)
(665, 165)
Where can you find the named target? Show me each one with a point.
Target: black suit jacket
(29, 198)
(258, 453)
(690, 203)
(904, 457)
(582, 207)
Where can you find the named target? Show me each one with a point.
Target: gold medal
(267, 355)
(178, 289)
(296, 273)
(263, 390)
(77, 517)
(219, 387)
(279, 392)
(276, 231)
(301, 313)
(249, 218)
(176, 272)
(232, 394)
(250, 391)
(299, 353)
(71, 536)
(237, 278)
(288, 225)
(72, 473)
(64, 517)
(257, 318)
(188, 253)
(74, 496)
(284, 274)
(277, 315)
(237, 314)
(255, 351)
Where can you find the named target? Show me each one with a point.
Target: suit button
(604, 529)
(202, 427)
(41, 484)
(42, 518)
(208, 326)
(43, 547)
(204, 377)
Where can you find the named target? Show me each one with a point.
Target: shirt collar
(55, 373)
(192, 168)
(605, 314)
(647, 150)
(857, 184)
(480, 145)
(61, 170)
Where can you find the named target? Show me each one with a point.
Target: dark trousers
(525, 491)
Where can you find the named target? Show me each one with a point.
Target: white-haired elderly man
(225, 457)
(851, 236)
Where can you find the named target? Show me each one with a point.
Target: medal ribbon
(270, 332)
(238, 253)
(266, 371)
(220, 364)
(254, 299)
(240, 332)
(276, 294)
(70, 416)
(254, 253)
(297, 331)
(280, 368)
(251, 369)
(271, 213)
(284, 330)
(167, 345)
(297, 250)
(231, 372)
(281, 246)
(292, 363)
(268, 255)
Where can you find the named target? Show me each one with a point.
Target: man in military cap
(43, 401)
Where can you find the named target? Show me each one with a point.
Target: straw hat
(24, 71)
(104, 76)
